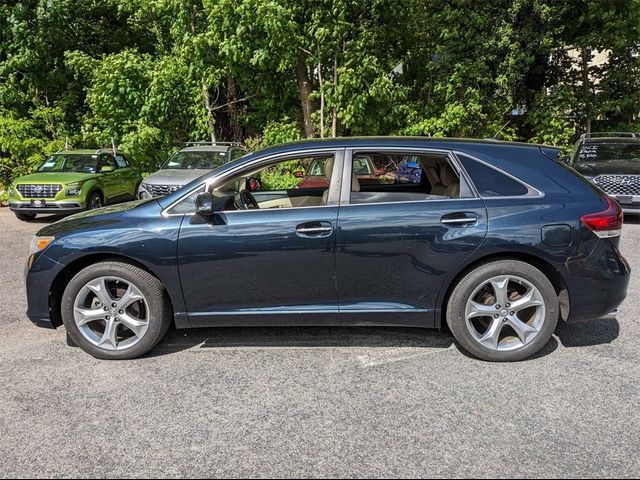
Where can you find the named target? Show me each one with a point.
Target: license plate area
(38, 203)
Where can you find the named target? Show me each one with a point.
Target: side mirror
(565, 160)
(106, 169)
(159, 165)
(298, 174)
(204, 204)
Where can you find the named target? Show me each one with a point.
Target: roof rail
(213, 144)
(610, 134)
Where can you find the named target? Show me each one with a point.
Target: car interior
(399, 177)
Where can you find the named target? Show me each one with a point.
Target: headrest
(328, 168)
(448, 176)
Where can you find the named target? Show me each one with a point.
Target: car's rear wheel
(25, 217)
(503, 311)
(95, 201)
(116, 311)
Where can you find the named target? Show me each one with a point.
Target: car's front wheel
(115, 311)
(95, 201)
(503, 311)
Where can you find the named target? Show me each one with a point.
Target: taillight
(605, 224)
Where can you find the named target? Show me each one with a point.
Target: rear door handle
(459, 219)
(314, 229)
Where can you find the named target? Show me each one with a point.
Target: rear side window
(490, 182)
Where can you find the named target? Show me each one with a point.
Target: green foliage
(154, 73)
(281, 175)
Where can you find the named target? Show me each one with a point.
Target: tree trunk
(334, 113)
(211, 121)
(320, 84)
(586, 87)
(304, 90)
(232, 96)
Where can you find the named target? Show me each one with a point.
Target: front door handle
(459, 219)
(314, 229)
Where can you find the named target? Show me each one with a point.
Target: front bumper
(39, 278)
(60, 207)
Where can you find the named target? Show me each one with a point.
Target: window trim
(345, 194)
(334, 187)
(532, 192)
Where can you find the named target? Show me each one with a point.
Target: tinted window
(121, 161)
(490, 182)
(70, 163)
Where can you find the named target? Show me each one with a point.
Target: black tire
(462, 292)
(25, 217)
(95, 201)
(160, 312)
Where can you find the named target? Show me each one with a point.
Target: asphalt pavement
(315, 402)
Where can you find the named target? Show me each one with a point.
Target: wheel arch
(70, 270)
(552, 273)
(95, 188)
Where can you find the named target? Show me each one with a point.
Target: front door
(267, 266)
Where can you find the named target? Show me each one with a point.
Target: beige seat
(450, 181)
(437, 188)
(328, 172)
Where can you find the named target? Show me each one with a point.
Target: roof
(401, 141)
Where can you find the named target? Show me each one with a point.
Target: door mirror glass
(106, 169)
(204, 204)
(298, 174)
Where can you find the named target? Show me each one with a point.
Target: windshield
(606, 152)
(191, 160)
(70, 163)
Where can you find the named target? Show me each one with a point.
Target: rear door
(394, 248)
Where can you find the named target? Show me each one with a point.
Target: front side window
(490, 182)
(61, 162)
(121, 161)
(281, 184)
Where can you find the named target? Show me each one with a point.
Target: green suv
(74, 180)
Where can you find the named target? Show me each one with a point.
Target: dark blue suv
(497, 240)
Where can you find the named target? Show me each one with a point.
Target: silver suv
(187, 164)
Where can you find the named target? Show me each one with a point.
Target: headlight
(74, 188)
(38, 244)
(143, 193)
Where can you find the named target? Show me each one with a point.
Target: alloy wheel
(505, 313)
(111, 313)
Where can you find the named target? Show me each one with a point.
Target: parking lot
(315, 402)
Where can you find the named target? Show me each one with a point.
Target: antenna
(66, 143)
(113, 146)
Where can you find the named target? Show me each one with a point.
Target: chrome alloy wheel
(111, 313)
(505, 313)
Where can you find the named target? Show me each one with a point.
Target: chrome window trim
(337, 152)
(532, 192)
(345, 196)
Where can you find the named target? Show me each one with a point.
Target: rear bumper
(51, 207)
(597, 286)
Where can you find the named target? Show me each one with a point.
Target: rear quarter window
(490, 182)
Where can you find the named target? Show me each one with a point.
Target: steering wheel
(246, 201)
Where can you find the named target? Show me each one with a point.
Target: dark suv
(612, 162)
(497, 240)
